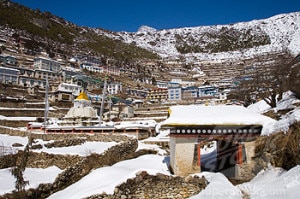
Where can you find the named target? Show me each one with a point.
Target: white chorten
(81, 114)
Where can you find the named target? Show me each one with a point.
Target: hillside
(41, 31)
(222, 41)
(221, 52)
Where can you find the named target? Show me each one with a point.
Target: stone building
(229, 127)
(65, 92)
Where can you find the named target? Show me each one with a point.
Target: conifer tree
(18, 170)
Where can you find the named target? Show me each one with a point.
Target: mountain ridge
(238, 41)
(276, 33)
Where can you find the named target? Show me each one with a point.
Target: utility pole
(46, 105)
(102, 101)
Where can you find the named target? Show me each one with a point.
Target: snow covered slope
(245, 39)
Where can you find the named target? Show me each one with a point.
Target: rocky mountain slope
(32, 31)
(274, 34)
(36, 31)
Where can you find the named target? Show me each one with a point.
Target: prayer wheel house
(224, 128)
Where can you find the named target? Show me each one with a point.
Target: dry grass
(297, 104)
(272, 114)
(290, 147)
(281, 149)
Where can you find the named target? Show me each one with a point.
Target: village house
(91, 67)
(112, 70)
(45, 68)
(174, 93)
(162, 84)
(114, 88)
(183, 82)
(33, 76)
(158, 94)
(9, 75)
(65, 92)
(53, 76)
(8, 60)
(207, 90)
(224, 83)
(94, 64)
(201, 93)
(138, 93)
(87, 61)
(189, 93)
(85, 81)
(46, 64)
(121, 111)
(32, 82)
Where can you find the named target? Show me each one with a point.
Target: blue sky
(129, 15)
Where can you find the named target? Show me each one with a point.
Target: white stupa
(81, 114)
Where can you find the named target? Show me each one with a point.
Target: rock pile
(145, 186)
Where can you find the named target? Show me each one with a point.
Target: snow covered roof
(213, 115)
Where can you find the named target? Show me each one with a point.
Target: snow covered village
(169, 123)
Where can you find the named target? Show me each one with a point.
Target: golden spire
(82, 96)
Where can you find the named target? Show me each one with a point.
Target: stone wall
(75, 167)
(143, 186)
(43, 160)
(23, 113)
(13, 123)
(158, 186)
(108, 157)
(12, 131)
(105, 137)
(115, 135)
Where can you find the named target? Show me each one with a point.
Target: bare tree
(274, 84)
(294, 76)
(269, 81)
